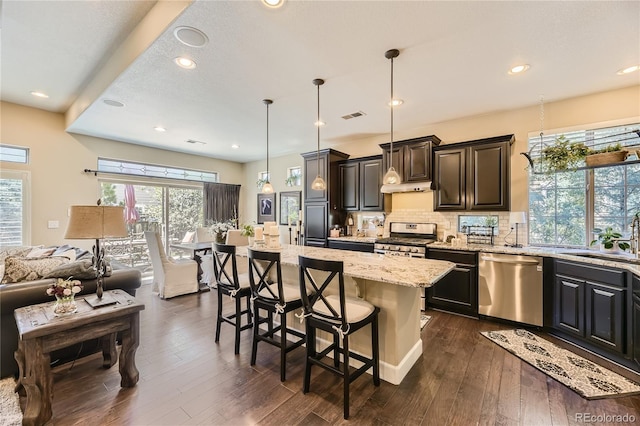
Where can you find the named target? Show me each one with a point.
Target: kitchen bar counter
(354, 239)
(614, 261)
(392, 283)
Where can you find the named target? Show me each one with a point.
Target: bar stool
(275, 298)
(230, 285)
(339, 315)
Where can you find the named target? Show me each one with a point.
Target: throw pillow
(80, 270)
(64, 248)
(41, 252)
(20, 251)
(69, 254)
(28, 269)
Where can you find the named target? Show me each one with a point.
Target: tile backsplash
(448, 224)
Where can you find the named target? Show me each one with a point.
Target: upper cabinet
(360, 182)
(473, 175)
(411, 158)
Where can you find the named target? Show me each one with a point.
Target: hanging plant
(260, 183)
(293, 180)
(564, 155)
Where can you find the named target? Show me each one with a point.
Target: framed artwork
(289, 207)
(266, 208)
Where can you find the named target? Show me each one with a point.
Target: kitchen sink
(603, 256)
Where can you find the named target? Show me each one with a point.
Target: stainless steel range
(407, 239)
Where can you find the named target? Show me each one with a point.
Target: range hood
(406, 187)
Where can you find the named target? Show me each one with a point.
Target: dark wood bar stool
(229, 284)
(275, 298)
(339, 315)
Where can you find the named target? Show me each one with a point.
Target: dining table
(197, 250)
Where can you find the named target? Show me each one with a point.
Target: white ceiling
(453, 63)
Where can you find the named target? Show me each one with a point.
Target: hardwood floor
(186, 379)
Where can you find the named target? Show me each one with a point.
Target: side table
(41, 332)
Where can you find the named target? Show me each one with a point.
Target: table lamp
(517, 218)
(96, 222)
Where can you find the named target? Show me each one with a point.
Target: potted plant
(564, 155)
(607, 155)
(292, 180)
(261, 182)
(248, 231)
(609, 240)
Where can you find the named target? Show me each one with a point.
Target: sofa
(14, 295)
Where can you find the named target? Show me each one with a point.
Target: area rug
(10, 414)
(589, 380)
(424, 320)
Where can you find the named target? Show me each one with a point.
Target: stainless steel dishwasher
(510, 287)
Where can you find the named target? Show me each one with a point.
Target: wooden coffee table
(41, 332)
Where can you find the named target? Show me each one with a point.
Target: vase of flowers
(65, 292)
(218, 230)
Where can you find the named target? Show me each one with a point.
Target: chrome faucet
(635, 234)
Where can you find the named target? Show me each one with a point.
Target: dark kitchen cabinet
(411, 158)
(322, 208)
(458, 290)
(590, 304)
(360, 182)
(635, 307)
(473, 175)
(351, 245)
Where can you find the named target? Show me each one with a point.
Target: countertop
(354, 239)
(397, 270)
(615, 261)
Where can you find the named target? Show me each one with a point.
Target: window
(564, 207)
(124, 167)
(14, 154)
(294, 176)
(14, 208)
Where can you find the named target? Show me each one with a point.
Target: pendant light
(318, 183)
(391, 177)
(267, 188)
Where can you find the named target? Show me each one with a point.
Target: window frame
(25, 177)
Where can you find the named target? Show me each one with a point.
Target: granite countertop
(611, 260)
(397, 270)
(354, 239)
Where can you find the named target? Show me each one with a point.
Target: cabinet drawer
(589, 272)
(455, 256)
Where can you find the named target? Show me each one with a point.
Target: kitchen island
(393, 283)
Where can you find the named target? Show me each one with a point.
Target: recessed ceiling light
(39, 94)
(159, 129)
(319, 123)
(519, 69)
(628, 70)
(191, 36)
(235, 146)
(273, 3)
(395, 102)
(185, 63)
(113, 103)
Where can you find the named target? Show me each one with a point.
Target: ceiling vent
(193, 141)
(353, 115)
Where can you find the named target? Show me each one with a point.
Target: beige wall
(57, 161)
(58, 158)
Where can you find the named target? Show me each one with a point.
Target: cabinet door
(488, 185)
(417, 162)
(457, 291)
(605, 315)
(315, 222)
(398, 160)
(569, 305)
(311, 167)
(349, 186)
(450, 169)
(371, 173)
(636, 329)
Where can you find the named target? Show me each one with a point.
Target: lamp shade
(95, 222)
(518, 217)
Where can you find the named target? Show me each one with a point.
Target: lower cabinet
(635, 308)
(458, 290)
(350, 245)
(590, 304)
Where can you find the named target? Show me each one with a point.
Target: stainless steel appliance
(407, 239)
(510, 287)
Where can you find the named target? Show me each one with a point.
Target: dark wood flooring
(186, 379)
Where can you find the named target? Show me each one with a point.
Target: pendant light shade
(391, 177)
(318, 183)
(267, 188)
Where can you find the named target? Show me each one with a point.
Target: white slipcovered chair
(170, 277)
(235, 238)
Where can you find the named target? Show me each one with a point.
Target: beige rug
(424, 320)
(589, 380)
(10, 413)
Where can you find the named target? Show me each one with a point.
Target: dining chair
(277, 300)
(170, 277)
(229, 283)
(327, 308)
(235, 238)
